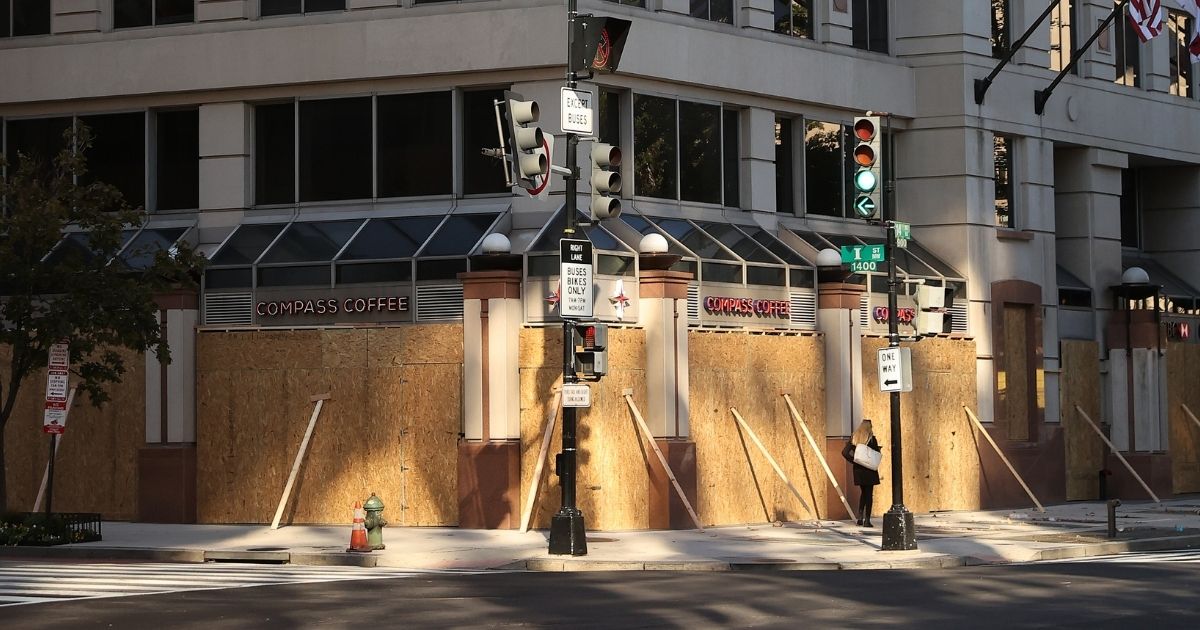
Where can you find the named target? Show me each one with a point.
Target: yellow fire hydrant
(374, 522)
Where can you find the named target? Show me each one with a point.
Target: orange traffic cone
(358, 531)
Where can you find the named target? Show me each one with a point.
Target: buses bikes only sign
(575, 276)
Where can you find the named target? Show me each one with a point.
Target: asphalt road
(1157, 595)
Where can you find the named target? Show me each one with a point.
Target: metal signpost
(54, 418)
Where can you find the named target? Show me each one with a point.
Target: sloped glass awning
(138, 245)
(613, 256)
(356, 251)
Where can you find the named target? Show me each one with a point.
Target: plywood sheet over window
(1080, 386)
(391, 425)
(1183, 373)
(1012, 376)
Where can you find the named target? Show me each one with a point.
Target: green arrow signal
(865, 207)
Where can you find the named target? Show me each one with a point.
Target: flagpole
(982, 85)
(1041, 96)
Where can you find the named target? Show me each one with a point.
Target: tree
(75, 287)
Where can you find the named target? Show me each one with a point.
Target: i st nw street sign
(863, 257)
(575, 278)
(895, 370)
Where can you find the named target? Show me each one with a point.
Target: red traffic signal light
(864, 155)
(865, 129)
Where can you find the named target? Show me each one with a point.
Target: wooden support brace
(1185, 410)
(637, 415)
(1133, 472)
(779, 471)
(319, 399)
(535, 484)
(820, 456)
(37, 504)
(979, 425)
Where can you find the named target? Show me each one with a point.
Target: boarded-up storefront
(1183, 378)
(391, 425)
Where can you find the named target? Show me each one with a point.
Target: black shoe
(868, 524)
(858, 522)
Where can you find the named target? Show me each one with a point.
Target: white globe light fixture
(653, 244)
(496, 243)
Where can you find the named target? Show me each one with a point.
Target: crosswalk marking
(1186, 555)
(33, 583)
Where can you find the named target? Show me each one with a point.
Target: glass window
(869, 27)
(301, 276)
(642, 226)
(1062, 34)
(1003, 179)
(275, 153)
(654, 143)
(768, 240)
(1001, 29)
(794, 17)
(177, 159)
(38, 139)
(693, 239)
(481, 174)
(413, 155)
(745, 247)
(132, 13)
(25, 17)
(1127, 50)
(783, 166)
(610, 117)
(315, 241)
(731, 152)
(713, 10)
(118, 154)
(335, 149)
(458, 235)
(247, 244)
(139, 254)
(391, 238)
(1179, 36)
(291, 7)
(824, 161)
(1131, 209)
(395, 271)
(76, 248)
(699, 152)
(632, 3)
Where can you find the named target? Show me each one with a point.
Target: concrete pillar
(226, 167)
(757, 14)
(224, 10)
(489, 458)
(832, 22)
(167, 462)
(837, 319)
(757, 159)
(76, 16)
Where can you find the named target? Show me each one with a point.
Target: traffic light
(932, 304)
(605, 181)
(598, 44)
(592, 361)
(867, 178)
(525, 141)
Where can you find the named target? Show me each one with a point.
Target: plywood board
(941, 463)
(1079, 385)
(390, 426)
(1183, 374)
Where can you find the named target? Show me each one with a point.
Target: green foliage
(35, 530)
(75, 289)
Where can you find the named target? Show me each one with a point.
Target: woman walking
(865, 478)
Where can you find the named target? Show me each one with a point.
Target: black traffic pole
(899, 533)
(566, 527)
(50, 475)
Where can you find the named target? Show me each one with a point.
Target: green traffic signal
(865, 181)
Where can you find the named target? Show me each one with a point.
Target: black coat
(863, 476)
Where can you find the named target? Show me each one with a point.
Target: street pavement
(944, 539)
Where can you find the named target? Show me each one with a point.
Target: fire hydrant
(374, 522)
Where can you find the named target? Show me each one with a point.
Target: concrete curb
(72, 552)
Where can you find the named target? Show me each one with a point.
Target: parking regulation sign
(575, 277)
(54, 419)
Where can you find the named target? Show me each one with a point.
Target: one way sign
(895, 370)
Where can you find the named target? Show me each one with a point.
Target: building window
(1131, 209)
(481, 174)
(825, 179)
(794, 17)
(335, 149)
(177, 159)
(713, 10)
(679, 153)
(24, 17)
(631, 3)
(784, 184)
(1128, 58)
(1179, 31)
(38, 140)
(610, 118)
(1062, 34)
(870, 25)
(275, 153)
(133, 13)
(1003, 180)
(118, 154)
(1001, 28)
(293, 7)
(413, 157)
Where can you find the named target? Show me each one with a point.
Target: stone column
(662, 307)
(832, 22)
(837, 319)
(226, 168)
(757, 158)
(167, 462)
(76, 16)
(489, 456)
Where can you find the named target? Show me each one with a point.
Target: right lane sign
(895, 370)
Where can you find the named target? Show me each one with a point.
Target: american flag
(1192, 7)
(1146, 17)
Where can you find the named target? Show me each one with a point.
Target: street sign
(863, 253)
(58, 363)
(576, 111)
(575, 277)
(895, 370)
(577, 396)
(859, 267)
(903, 233)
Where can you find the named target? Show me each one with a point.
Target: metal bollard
(1112, 517)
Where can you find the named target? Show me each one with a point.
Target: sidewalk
(944, 539)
